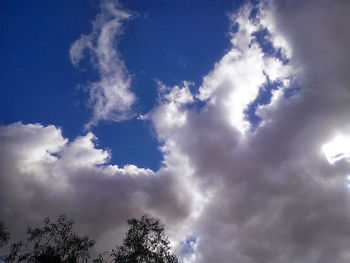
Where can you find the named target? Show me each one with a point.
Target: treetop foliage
(53, 243)
(56, 242)
(145, 242)
(4, 235)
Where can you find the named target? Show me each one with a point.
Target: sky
(228, 120)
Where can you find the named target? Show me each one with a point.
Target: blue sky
(228, 120)
(40, 85)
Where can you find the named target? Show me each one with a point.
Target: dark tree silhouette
(4, 235)
(53, 243)
(145, 242)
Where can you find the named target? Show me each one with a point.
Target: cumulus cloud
(111, 97)
(271, 195)
(43, 174)
(276, 194)
(235, 81)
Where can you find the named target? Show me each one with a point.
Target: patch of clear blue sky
(168, 40)
(263, 98)
(263, 38)
(188, 245)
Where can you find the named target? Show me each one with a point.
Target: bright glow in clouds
(337, 149)
(242, 71)
(269, 196)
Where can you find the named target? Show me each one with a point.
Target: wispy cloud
(111, 97)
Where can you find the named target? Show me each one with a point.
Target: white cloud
(111, 97)
(43, 174)
(235, 81)
(171, 112)
(268, 196)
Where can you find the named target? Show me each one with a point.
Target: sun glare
(337, 149)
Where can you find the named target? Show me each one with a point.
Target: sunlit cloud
(338, 148)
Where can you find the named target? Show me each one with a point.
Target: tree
(145, 242)
(4, 235)
(53, 243)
